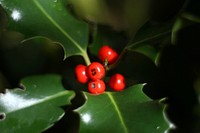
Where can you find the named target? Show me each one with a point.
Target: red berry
(117, 82)
(95, 71)
(96, 87)
(81, 75)
(107, 53)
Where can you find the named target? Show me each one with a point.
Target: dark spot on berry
(93, 72)
(2, 116)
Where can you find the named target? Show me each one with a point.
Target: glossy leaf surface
(51, 19)
(36, 107)
(122, 112)
(151, 34)
(147, 50)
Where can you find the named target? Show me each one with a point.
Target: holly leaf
(49, 18)
(40, 54)
(152, 34)
(122, 112)
(22, 110)
(148, 51)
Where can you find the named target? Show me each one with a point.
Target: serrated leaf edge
(58, 26)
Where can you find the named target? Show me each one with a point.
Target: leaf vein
(57, 25)
(118, 112)
(147, 39)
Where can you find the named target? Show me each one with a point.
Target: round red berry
(81, 75)
(117, 82)
(95, 71)
(107, 53)
(96, 87)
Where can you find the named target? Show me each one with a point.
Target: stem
(86, 58)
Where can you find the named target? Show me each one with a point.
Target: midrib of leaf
(58, 26)
(46, 99)
(148, 39)
(118, 112)
(191, 17)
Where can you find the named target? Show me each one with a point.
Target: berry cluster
(94, 73)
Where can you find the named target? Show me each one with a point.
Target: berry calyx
(96, 87)
(107, 54)
(95, 71)
(80, 72)
(117, 82)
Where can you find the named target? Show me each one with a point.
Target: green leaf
(147, 50)
(152, 34)
(40, 54)
(191, 17)
(49, 18)
(122, 112)
(180, 24)
(36, 107)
